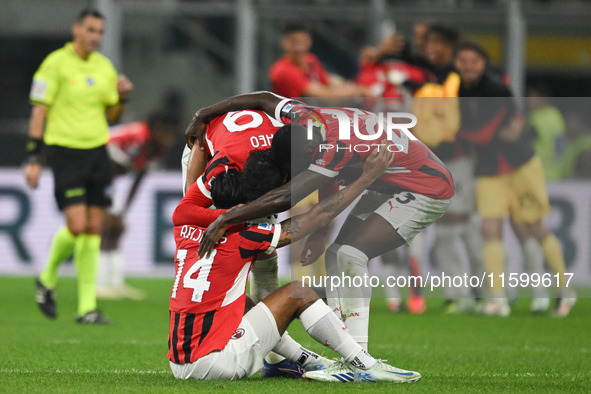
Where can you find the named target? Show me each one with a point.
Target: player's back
(352, 134)
(208, 296)
(240, 132)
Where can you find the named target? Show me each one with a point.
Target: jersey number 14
(200, 284)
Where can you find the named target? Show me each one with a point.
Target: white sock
(355, 299)
(332, 269)
(117, 274)
(327, 329)
(265, 278)
(295, 352)
(389, 270)
(104, 269)
(533, 257)
(448, 258)
(471, 233)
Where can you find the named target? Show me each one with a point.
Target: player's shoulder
(312, 58)
(55, 58)
(258, 232)
(282, 65)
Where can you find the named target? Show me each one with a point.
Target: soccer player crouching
(209, 336)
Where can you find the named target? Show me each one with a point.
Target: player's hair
(289, 140)
(446, 33)
(89, 12)
(226, 190)
(469, 45)
(260, 175)
(293, 27)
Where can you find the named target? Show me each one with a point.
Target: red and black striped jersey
(230, 139)
(208, 296)
(414, 168)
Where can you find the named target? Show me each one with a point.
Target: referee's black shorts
(81, 176)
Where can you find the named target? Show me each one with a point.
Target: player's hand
(211, 236)
(377, 162)
(513, 130)
(124, 87)
(313, 248)
(32, 172)
(196, 131)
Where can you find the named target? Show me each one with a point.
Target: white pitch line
(88, 371)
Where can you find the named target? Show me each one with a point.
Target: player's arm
(316, 243)
(263, 101)
(193, 209)
(327, 209)
(196, 165)
(277, 200)
(35, 144)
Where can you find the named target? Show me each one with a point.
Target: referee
(73, 90)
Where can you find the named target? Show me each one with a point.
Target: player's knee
(77, 226)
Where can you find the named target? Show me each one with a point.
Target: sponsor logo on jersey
(286, 108)
(265, 226)
(239, 333)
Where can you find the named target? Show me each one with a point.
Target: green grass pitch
(522, 353)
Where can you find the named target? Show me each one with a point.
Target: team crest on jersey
(239, 333)
(90, 81)
(320, 162)
(265, 226)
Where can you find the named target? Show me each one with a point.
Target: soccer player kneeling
(209, 336)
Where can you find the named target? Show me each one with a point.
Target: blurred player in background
(438, 120)
(576, 162)
(299, 73)
(209, 337)
(387, 71)
(73, 89)
(547, 126)
(136, 147)
(510, 179)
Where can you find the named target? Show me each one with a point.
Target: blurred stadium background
(185, 54)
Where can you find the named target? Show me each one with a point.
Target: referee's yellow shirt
(77, 92)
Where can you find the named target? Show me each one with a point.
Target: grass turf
(521, 353)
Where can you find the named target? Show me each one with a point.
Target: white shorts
(408, 213)
(243, 355)
(464, 201)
